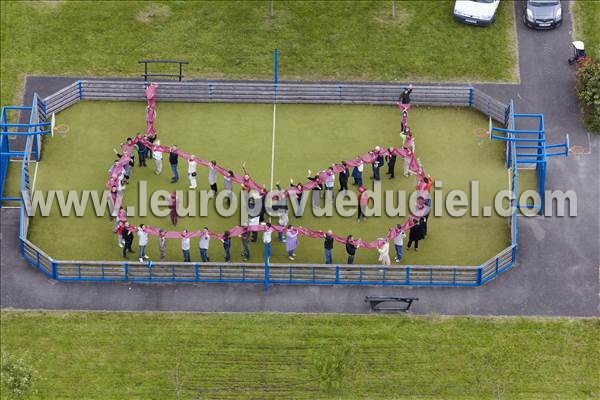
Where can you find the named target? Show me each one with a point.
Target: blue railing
(35, 127)
(267, 274)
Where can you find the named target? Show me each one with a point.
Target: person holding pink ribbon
(291, 242)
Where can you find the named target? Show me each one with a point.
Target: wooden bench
(377, 302)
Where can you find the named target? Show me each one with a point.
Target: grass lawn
(317, 40)
(270, 356)
(587, 23)
(307, 136)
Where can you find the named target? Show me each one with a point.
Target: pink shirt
(363, 199)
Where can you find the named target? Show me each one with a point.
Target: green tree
(588, 90)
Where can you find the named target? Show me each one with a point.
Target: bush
(16, 376)
(588, 90)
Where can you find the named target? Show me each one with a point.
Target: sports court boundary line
(34, 176)
(273, 144)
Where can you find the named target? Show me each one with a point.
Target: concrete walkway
(557, 272)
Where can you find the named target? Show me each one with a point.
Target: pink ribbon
(310, 233)
(248, 183)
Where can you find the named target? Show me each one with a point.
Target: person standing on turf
(377, 164)
(328, 247)
(142, 243)
(127, 169)
(127, 239)
(350, 249)
(120, 188)
(151, 138)
(212, 176)
(292, 242)
(343, 177)
(192, 165)
(253, 222)
(267, 239)
(424, 220)
(316, 191)
(227, 246)
(263, 204)
(173, 161)
(173, 206)
(357, 174)
(384, 253)
(193, 180)
(404, 121)
(380, 162)
(245, 243)
(391, 160)
(299, 193)
(329, 183)
(141, 150)
(228, 185)
(294, 195)
(373, 164)
(363, 202)
(120, 227)
(399, 243)
(158, 162)
(405, 95)
(203, 244)
(185, 245)
(282, 207)
(121, 216)
(415, 234)
(162, 245)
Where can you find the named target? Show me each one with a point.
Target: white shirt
(384, 250)
(329, 181)
(254, 221)
(267, 236)
(361, 166)
(212, 176)
(399, 240)
(192, 166)
(204, 240)
(185, 244)
(227, 185)
(157, 155)
(143, 238)
(284, 219)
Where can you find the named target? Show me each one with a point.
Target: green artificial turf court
(448, 144)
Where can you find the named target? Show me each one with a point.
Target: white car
(476, 12)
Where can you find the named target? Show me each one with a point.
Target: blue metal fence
(267, 274)
(527, 148)
(35, 128)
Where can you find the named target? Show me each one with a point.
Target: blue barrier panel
(471, 96)
(4, 160)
